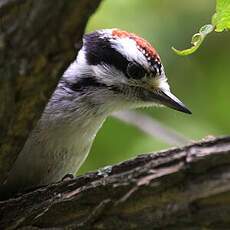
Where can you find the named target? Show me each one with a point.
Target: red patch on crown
(143, 44)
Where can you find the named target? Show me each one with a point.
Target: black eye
(135, 71)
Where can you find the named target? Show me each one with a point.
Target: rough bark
(182, 188)
(38, 39)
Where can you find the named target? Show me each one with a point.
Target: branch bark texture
(37, 42)
(181, 188)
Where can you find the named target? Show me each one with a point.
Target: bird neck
(72, 118)
(71, 121)
(67, 130)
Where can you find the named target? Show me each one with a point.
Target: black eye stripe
(84, 83)
(99, 51)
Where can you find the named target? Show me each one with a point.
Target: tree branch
(177, 188)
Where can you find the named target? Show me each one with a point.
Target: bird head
(125, 68)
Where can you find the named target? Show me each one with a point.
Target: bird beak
(168, 99)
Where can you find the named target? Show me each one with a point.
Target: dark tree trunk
(38, 39)
(183, 188)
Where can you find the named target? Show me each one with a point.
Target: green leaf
(196, 41)
(221, 19)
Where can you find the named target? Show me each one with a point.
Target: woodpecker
(113, 70)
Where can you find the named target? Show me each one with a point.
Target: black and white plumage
(114, 70)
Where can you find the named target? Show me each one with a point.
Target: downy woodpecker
(114, 70)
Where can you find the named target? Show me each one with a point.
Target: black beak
(168, 99)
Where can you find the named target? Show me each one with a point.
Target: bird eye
(135, 71)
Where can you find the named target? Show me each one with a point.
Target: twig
(152, 127)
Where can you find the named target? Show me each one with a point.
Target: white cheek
(109, 74)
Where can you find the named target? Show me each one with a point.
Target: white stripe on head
(129, 49)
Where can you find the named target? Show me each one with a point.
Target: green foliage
(220, 21)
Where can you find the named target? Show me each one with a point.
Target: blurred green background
(201, 81)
